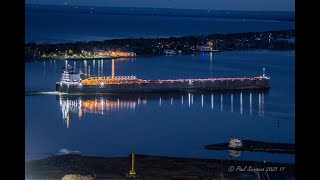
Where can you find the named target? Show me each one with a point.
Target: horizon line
(159, 8)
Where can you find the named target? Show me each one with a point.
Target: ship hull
(167, 86)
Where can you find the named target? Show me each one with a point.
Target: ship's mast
(112, 70)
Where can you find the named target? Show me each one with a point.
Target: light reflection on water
(77, 106)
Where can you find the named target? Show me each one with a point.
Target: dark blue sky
(251, 5)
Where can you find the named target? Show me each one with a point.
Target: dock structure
(259, 146)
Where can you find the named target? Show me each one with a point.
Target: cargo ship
(72, 83)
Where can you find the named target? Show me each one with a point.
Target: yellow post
(132, 162)
(112, 72)
(132, 172)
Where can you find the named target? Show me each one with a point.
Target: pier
(259, 146)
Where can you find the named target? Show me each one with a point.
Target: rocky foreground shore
(154, 167)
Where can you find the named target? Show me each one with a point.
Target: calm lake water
(174, 124)
(60, 24)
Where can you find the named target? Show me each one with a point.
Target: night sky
(250, 5)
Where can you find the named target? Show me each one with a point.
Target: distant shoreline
(105, 58)
(139, 56)
(268, 40)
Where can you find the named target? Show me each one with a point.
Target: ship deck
(108, 80)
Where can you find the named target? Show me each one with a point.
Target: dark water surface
(60, 24)
(171, 124)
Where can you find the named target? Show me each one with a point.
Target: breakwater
(249, 145)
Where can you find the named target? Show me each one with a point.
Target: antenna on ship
(263, 74)
(112, 70)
